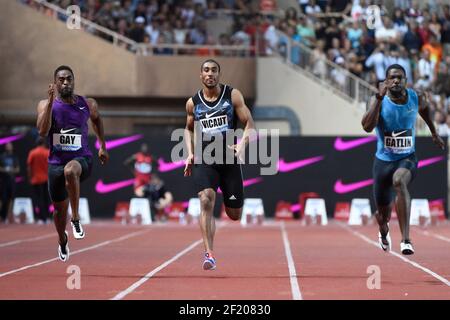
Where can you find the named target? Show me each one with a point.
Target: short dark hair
(210, 60)
(63, 68)
(395, 66)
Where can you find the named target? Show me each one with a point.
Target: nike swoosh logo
(169, 166)
(430, 161)
(340, 187)
(66, 131)
(111, 144)
(81, 108)
(341, 145)
(101, 187)
(211, 114)
(246, 183)
(398, 133)
(286, 167)
(10, 139)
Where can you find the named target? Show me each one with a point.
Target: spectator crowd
(362, 36)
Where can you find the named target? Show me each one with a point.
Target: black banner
(337, 168)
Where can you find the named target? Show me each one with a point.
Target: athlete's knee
(71, 171)
(234, 213)
(206, 199)
(399, 182)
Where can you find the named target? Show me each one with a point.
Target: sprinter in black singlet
(214, 111)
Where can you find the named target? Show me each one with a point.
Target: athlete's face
(65, 83)
(398, 81)
(210, 74)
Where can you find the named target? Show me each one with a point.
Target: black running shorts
(383, 172)
(57, 180)
(226, 176)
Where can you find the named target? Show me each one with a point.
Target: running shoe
(385, 242)
(406, 247)
(63, 250)
(209, 263)
(77, 229)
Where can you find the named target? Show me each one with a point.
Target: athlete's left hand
(438, 141)
(239, 150)
(103, 155)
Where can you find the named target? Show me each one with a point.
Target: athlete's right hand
(51, 91)
(384, 86)
(188, 167)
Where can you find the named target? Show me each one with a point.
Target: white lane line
(10, 243)
(147, 277)
(413, 263)
(434, 235)
(295, 288)
(101, 244)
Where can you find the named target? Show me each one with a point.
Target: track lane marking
(101, 244)
(413, 263)
(295, 288)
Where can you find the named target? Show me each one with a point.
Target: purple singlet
(68, 135)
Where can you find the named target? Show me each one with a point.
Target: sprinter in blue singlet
(62, 118)
(392, 112)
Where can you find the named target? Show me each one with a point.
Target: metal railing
(87, 25)
(293, 53)
(328, 73)
(147, 48)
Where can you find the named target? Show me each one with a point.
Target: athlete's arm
(244, 115)
(44, 110)
(372, 115)
(97, 125)
(189, 137)
(424, 112)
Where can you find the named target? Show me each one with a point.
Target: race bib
(398, 142)
(214, 124)
(67, 140)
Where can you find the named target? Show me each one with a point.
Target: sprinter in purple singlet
(63, 118)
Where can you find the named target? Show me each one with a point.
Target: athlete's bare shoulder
(41, 105)
(237, 98)
(91, 102)
(190, 105)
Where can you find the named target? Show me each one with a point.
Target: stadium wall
(321, 112)
(32, 45)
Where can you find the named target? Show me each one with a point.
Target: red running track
(275, 261)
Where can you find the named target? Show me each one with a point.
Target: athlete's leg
(72, 173)
(383, 216)
(60, 219)
(207, 222)
(234, 213)
(233, 190)
(383, 195)
(59, 198)
(402, 177)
